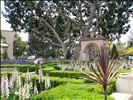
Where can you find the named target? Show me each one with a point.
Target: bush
(9, 74)
(48, 69)
(70, 92)
(68, 56)
(114, 52)
(5, 55)
(59, 73)
(54, 81)
(22, 68)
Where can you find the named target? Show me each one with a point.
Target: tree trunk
(64, 50)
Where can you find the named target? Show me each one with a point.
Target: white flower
(40, 76)
(28, 77)
(4, 86)
(24, 92)
(35, 90)
(47, 83)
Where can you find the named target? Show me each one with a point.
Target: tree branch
(93, 9)
(54, 32)
(48, 39)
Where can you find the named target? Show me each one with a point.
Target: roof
(92, 36)
(3, 44)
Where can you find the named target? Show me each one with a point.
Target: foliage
(5, 55)
(68, 56)
(71, 92)
(114, 52)
(130, 39)
(129, 51)
(22, 68)
(13, 88)
(48, 69)
(70, 74)
(19, 47)
(93, 51)
(57, 27)
(102, 72)
(121, 49)
(109, 44)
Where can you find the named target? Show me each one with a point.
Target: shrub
(54, 81)
(9, 74)
(114, 52)
(5, 55)
(68, 56)
(22, 68)
(59, 73)
(48, 69)
(70, 92)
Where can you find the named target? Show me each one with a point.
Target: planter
(124, 83)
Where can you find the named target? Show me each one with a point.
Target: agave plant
(102, 71)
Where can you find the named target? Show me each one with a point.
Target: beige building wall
(9, 39)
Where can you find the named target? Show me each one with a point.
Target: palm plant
(102, 71)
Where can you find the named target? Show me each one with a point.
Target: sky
(6, 26)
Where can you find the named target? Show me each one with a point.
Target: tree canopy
(114, 52)
(63, 22)
(19, 47)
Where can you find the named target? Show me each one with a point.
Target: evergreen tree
(68, 56)
(114, 52)
(5, 55)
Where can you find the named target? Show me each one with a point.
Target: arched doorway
(91, 51)
(88, 43)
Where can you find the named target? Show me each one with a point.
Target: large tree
(56, 21)
(114, 52)
(19, 46)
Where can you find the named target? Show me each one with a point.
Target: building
(8, 45)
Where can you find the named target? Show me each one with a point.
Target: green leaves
(19, 47)
(114, 52)
(102, 71)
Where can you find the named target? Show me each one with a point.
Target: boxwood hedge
(22, 68)
(71, 92)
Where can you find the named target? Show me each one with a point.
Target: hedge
(22, 68)
(71, 92)
(59, 73)
(56, 81)
(48, 69)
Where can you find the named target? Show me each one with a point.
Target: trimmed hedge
(22, 68)
(71, 92)
(48, 69)
(56, 81)
(59, 73)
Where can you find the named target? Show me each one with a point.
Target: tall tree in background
(114, 52)
(130, 40)
(59, 22)
(19, 47)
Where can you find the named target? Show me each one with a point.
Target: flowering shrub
(14, 88)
